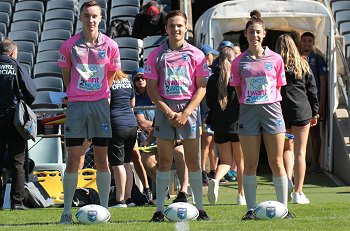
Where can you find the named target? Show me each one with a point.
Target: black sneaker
(249, 216)
(181, 197)
(289, 216)
(157, 217)
(211, 174)
(148, 194)
(202, 216)
(205, 179)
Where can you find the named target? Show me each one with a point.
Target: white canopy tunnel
(295, 15)
(282, 15)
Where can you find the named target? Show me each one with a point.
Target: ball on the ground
(270, 210)
(93, 214)
(181, 211)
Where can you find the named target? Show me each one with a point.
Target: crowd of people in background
(219, 103)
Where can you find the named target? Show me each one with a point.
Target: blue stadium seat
(49, 45)
(57, 34)
(58, 24)
(3, 28)
(128, 66)
(59, 14)
(28, 15)
(26, 25)
(31, 36)
(117, 3)
(61, 4)
(26, 57)
(43, 100)
(30, 5)
(153, 41)
(5, 18)
(129, 54)
(123, 11)
(26, 46)
(6, 7)
(47, 69)
(49, 83)
(47, 56)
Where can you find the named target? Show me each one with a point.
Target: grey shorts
(88, 120)
(163, 129)
(260, 119)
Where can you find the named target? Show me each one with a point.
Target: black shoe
(181, 197)
(19, 207)
(148, 193)
(205, 179)
(203, 216)
(211, 174)
(157, 217)
(249, 216)
(289, 216)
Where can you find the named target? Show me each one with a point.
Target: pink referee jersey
(259, 79)
(176, 71)
(89, 67)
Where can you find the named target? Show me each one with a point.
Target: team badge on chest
(268, 66)
(101, 54)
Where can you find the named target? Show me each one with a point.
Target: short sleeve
(235, 79)
(280, 73)
(115, 62)
(202, 69)
(64, 60)
(151, 66)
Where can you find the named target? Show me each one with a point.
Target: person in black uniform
(223, 104)
(150, 21)
(9, 137)
(299, 108)
(124, 132)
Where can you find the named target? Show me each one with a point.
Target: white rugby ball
(93, 214)
(181, 211)
(268, 210)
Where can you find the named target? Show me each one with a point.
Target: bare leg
(238, 158)
(181, 168)
(288, 156)
(300, 141)
(120, 181)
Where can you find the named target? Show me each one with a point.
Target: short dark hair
(89, 4)
(175, 13)
(308, 34)
(7, 46)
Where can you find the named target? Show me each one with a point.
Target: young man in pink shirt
(88, 61)
(175, 74)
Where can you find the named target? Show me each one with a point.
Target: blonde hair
(119, 75)
(286, 47)
(225, 58)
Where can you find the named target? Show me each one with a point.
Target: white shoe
(300, 198)
(213, 191)
(290, 190)
(241, 200)
(119, 206)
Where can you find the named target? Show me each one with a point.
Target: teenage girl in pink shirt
(257, 75)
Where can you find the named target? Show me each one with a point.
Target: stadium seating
(47, 56)
(59, 24)
(49, 45)
(24, 46)
(49, 83)
(61, 4)
(59, 14)
(6, 7)
(3, 28)
(117, 3)
(47, 69)
(26, 57)
(43, 100)
(47, 154)
(28, 15)
(57, 34)
(26, 25)
(30, 36)
(30, 5)
(5, 18)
